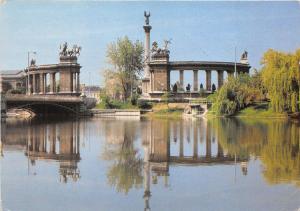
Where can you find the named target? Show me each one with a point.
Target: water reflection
(164, 143)
(53, 141)
(141, 154)
(276, 143)
(125, 171)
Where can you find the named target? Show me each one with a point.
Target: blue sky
(199, 30)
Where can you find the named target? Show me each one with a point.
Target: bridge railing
(42, 98)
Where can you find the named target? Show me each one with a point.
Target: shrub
(134, 99)
(142, 104)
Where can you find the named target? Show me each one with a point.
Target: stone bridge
(45, 104)
(51, 88)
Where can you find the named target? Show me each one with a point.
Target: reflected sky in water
(157, 164)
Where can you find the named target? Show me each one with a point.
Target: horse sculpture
(75, 51)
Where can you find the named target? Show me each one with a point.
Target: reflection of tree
(281, 154)
(277, 142)
(126, 170)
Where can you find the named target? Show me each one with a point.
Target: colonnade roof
(52, 66)
(213, 65)
(203, 65)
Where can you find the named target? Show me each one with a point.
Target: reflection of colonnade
(59, 142)
(160, 140)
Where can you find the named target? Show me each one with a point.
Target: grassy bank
(260, 110)
(116, 105)
(253, 112)
(165, 110)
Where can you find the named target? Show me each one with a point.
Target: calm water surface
(158, 164)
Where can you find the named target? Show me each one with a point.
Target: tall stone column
(208, 80)
(181, 78)
(42, 85)
(147, 83)
(34, 83)
(147, 29)
(220, 78)
(195, 80)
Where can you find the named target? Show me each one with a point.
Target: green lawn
(259, 111)
(117, 105)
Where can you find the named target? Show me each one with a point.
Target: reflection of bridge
(59, 142)
(52, 141)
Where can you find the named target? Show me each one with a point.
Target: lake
(150, 164)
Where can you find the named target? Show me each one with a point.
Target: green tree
(281, 77)
(236, 94)
(126, 58)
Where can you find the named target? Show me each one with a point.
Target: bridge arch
(41, 108)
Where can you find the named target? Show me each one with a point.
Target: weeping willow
(281, 78)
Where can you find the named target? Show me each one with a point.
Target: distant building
(12, 80)
(92, 92)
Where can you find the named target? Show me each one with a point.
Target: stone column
(29, 84)
(71, 83)
(195, 80)
(52, 83)
(147, 29)
(33, 84)
(26, 84)
(78, 83)
(45, 83)
(74, 83)
(42, 85)
(230, 74)
(220, 78)
(181, 78)
(208, 80)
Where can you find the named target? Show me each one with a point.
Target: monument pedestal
(146, 87)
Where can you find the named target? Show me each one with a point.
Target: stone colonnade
(161, 68)
(36, 83)
(208, 79)
(65, 75)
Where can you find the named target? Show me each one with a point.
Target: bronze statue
(32, 62)
(154, 47)
(75, 51)
(166, 46)
(63, 48)
(244, 56)
(147, 17)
